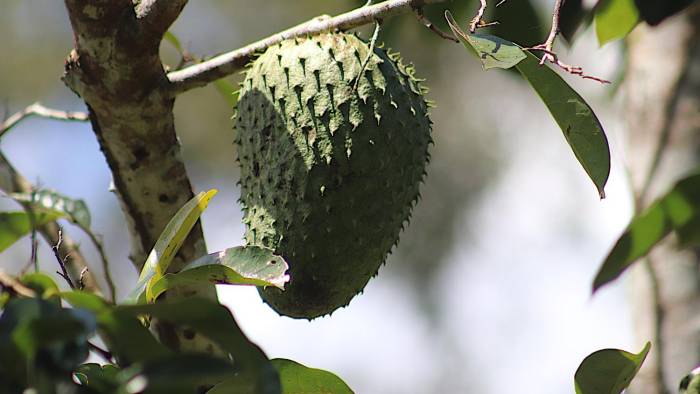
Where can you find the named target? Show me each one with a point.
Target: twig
(228, 63)
(37, 109)
(548, 54)
(478, 21)
(63, 273)
(372, 43)
(14, 286)
(105, 262)
(427, 23)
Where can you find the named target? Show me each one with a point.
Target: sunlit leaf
(679, 209)
(48, 200)
(300, 379)
(15, 225)
(494, 52)
(242, 265)
(608, 371)
(575, 117)
(169, 243)
(614, 19)
(690, 383)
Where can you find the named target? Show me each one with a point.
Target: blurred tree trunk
(663, 122)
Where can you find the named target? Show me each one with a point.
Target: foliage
(46, 334)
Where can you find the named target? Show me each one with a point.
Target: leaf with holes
(494, 52)
(51, 201)
(242, 265)
(608, 371)
(169, 243)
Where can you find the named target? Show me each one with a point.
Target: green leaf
(614, 19)
(15, 225)
(227, 91)
(300, 379)
(125, 336)
(690, 383)
(171, 38)
(679, 210)
(249, 265)
(608, 371)
(40, 335)
(178, 373)
(51, 201)
(581, 127)
(43, 285)
(575, 117)
(217, 324)
(99, 378)
(168, 244)
(571, 17)
(494, 52)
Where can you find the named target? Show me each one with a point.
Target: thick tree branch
(228, 63)
(13, 182)
(156, 16)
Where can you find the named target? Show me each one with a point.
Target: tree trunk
(662, 84)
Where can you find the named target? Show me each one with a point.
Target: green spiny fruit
(330, 167)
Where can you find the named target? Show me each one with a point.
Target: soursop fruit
(330, 166)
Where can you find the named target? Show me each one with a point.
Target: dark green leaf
(614, 19)
(178, 373)
(15, 225)
(494, 52)
(299, 379)
(571, 16)
(216, 323)
(128, 339)
(581, 127)
(679, 209)
(608, 371)
(99, 378)
(241, 265)
(51, 201)
(168, 244)
(519, 22)
(41, 335)
(655, 11)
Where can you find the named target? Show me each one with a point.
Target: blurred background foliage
(481, 123)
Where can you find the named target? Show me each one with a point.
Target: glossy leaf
(217, 324)
(608, 371)
(494, 52)
(15, 225)
(655, 11)
(242, 265)
(51, 201)
(575, 117)
(614, 19)
(300, 379)
(169, 243)
(679, 209)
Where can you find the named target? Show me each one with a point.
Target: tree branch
(228, 63)
(156, 16)
(37, 109)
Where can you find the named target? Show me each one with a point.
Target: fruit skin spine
(330, 167)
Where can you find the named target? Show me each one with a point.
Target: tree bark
(662, 84)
